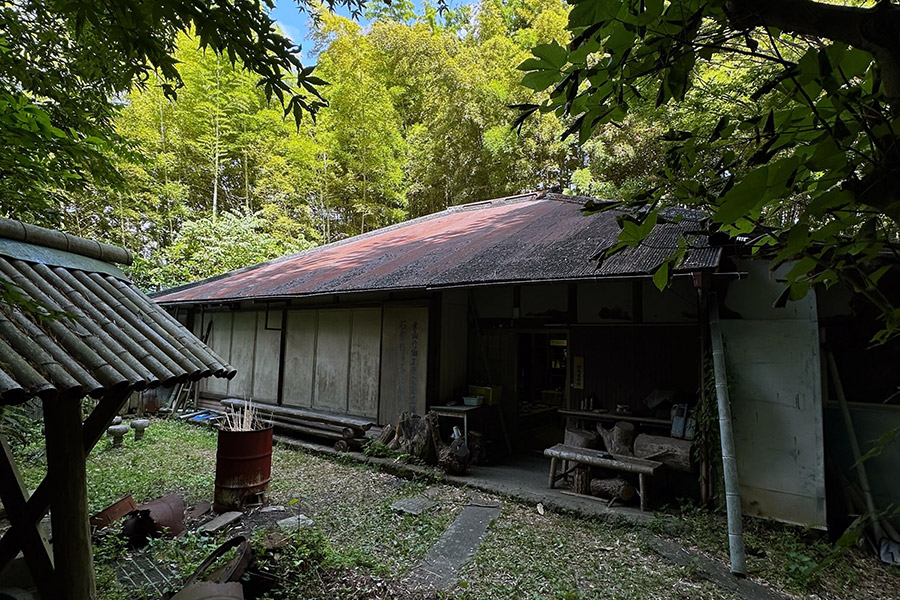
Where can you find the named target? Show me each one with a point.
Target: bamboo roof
(73, 325)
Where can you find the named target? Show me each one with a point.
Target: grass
(786, 556)
(360, 548)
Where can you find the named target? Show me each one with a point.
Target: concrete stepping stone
(413, 506)
(296, 522)
(222, 521)
(440, 568)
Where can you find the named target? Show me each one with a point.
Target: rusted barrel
(243, 468)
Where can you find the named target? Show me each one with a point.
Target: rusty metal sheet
(534, 237)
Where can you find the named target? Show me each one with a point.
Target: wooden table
(458, 411)
(598, 458)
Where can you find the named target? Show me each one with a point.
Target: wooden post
(28, 535)
(72, 549)
(554, 464)
(39, 502)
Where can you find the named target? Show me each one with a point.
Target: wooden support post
(72, 549)
(554, 464)
(642, 486)
(27, 534)
(39, 502)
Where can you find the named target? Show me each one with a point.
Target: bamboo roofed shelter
(71, 326)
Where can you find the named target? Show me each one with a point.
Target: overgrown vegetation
(361, 548)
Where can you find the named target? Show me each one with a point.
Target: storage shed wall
(775, 382)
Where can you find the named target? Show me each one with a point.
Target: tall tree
(806, 163)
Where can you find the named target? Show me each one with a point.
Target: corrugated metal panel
(529, 238)
(114, 339)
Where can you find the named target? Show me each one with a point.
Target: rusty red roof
(528, 238)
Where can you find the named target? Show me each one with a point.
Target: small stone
(273, 508)
(117, 420)
(296, 522)
(221, 521)
(413, 506)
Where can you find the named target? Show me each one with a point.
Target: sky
(294, 23)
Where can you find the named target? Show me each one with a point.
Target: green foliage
(208, 247)
(64, 66)
(788, 140)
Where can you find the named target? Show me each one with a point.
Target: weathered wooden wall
(404, 361)
(775, 381)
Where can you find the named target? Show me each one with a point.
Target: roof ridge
(41, 236)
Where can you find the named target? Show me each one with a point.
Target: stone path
(439, 569)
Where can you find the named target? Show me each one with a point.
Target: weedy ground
(361, 549)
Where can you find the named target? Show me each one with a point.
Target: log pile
(345, 432)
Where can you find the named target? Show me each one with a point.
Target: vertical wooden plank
(220, 343)
(332, 360)
(265, 361)
(299, 359)
(243, 342)
(365, 362)
(404, 360)
(72, 550)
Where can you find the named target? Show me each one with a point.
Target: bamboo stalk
(92, 353)
(172, 327)
(166, 351)
(122, 328)
(46, 365)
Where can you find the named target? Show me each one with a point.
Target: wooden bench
(599, 458)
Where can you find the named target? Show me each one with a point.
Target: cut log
(361, 425)
(616, 488)
(387, 434)
(345, 432)
(619, 439)
(581, 438)
(581, 484)
(672, 452)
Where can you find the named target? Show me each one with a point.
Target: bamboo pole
(729, 461)
(854, 446)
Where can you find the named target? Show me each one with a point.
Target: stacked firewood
(345, 432)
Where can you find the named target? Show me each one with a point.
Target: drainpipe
(729, 462)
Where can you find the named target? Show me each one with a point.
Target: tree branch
(876, 29)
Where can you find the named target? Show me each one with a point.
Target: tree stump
(581, 484)
(619, 439)
(616, 488)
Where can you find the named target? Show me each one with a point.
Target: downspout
(729, 462)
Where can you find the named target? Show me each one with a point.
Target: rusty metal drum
(243, 468)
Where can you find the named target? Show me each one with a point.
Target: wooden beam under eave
(72, 548)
